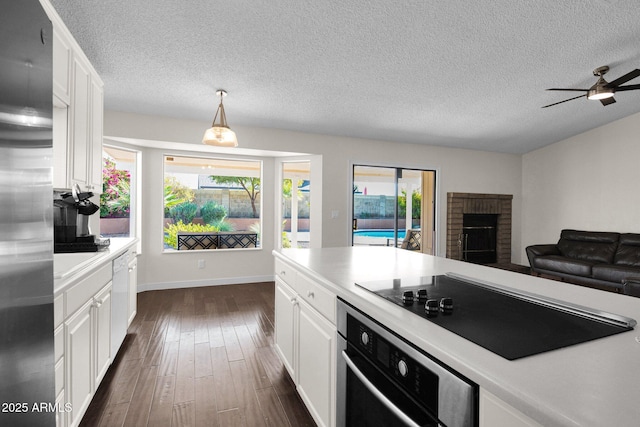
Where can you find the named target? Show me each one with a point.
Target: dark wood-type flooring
(199, 357)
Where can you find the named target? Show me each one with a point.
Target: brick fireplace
(474, 204)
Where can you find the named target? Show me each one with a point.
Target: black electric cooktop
(512, 324)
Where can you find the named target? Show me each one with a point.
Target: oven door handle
(377, 393)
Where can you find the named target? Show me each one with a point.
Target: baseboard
(200, 283)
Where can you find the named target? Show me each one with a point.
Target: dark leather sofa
(598, 259)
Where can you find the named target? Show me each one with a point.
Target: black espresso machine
(71, 223)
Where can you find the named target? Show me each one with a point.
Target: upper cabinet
(61, 64)
(78, 112)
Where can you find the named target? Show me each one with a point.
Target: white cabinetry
(61, 64)
(78, 112)
(496, 413)
(94, 157)
(306, 340)
(78, 354)
(102, 319)
(316, 364)
(79, 146)
(286, 322)
(133, 285)
(83, 341)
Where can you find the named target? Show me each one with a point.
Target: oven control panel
(415, 379)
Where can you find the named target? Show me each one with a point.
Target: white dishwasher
(119, 302)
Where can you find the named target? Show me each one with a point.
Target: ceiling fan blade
(620, 80)
(607, 101)
(570, 99)
(572, 90)
(630, 87)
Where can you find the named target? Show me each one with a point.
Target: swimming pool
(386, 233)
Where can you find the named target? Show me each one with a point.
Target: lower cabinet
(286, 321)
(133, 286)
(87, 352)
(82, 335)
(305, 338)
(102, 318)
(78, 384)
(316, 364)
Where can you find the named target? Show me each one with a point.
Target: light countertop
(68, 265)
(590, 384)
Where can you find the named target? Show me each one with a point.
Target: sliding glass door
(394, 207)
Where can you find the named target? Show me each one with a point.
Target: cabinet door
(78, 356)
(60, 141)
(61, 65)
(79, 146)
(285, 325)
(316, 364)
(133, 288)
(95, 151)
(102, 319)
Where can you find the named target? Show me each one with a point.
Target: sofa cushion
(591, 246)
(628, 252)
(564, 265)
(614, 273)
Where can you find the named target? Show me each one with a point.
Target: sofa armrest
(631, 286)
(541, 250)
(534, 251)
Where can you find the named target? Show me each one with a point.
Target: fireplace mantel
(459, 204)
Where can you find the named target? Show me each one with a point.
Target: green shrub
(184, 212)
(212, 213)
(223, 225)
(171, 231)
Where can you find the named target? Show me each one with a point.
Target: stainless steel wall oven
(385, 381)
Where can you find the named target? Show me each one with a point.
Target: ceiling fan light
(598, 93)
(219, 134)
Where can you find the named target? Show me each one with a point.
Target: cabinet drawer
(286, 273)
(83, 291)
(318, 297)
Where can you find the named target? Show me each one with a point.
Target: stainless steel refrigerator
(27, 389)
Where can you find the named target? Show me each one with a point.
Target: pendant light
(219, 134)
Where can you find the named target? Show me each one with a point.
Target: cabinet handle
(294, 300)
(97, 303)
(283, 273)
(310, 294)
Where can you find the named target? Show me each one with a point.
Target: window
(118, 212)
(211, 203)
(296, 204)
(394, 207)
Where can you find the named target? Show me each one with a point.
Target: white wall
(587, 182)
(457, 171)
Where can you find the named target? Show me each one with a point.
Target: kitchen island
(590, 384)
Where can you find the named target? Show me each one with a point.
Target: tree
(416, 204)
(115, 199)
(250, 185)
(175, 193)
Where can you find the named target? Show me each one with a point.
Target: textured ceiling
(469, 74)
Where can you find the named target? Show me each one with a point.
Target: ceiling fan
(602, 90)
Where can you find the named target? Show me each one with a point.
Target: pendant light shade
(219, 134)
